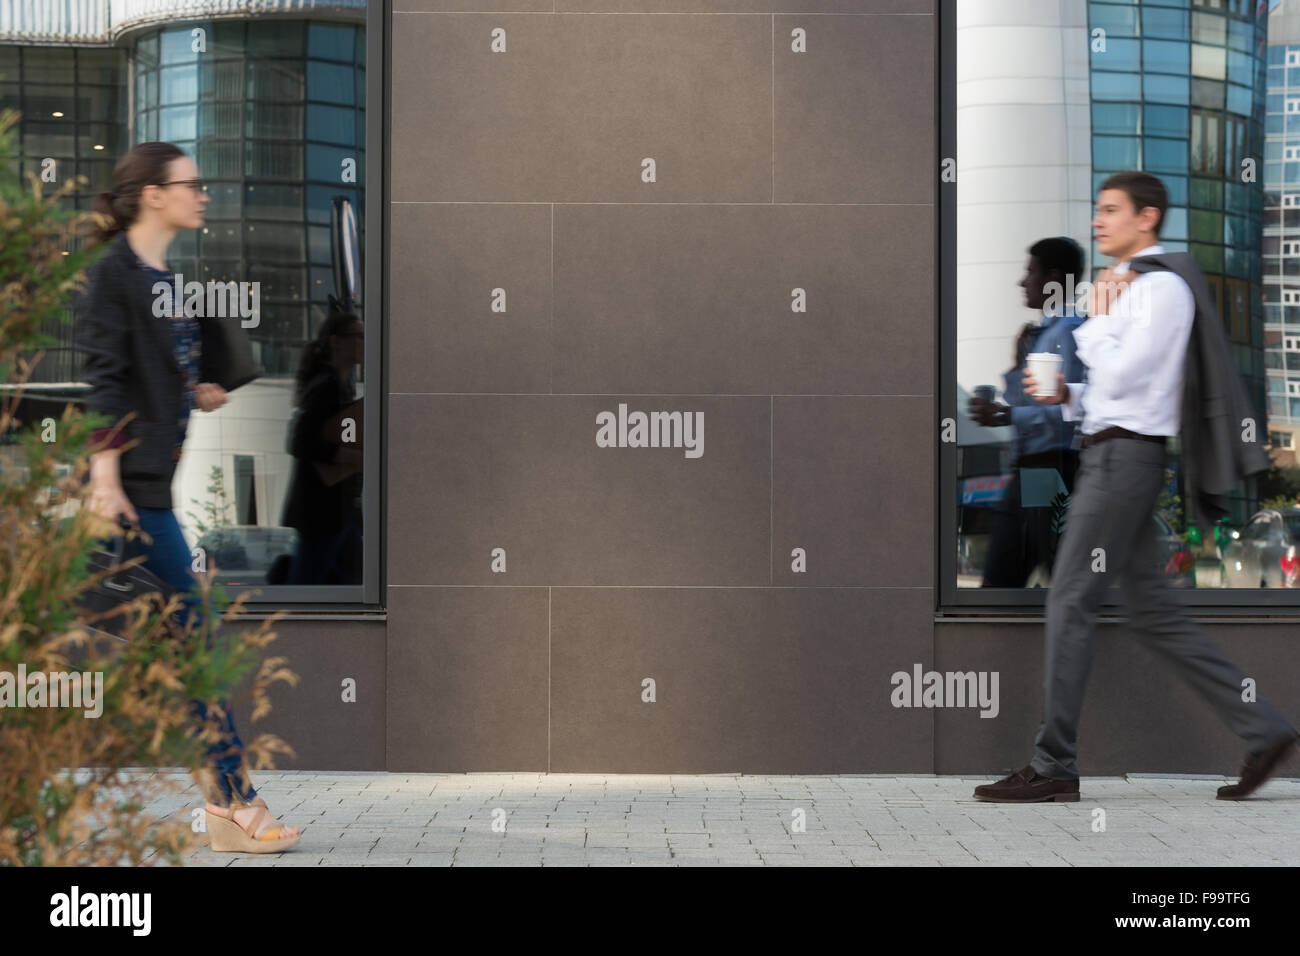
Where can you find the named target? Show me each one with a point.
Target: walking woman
(137, 361)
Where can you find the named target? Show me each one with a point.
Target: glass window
(275, 120)
(1160, 89)
(1165, 120)
(318, 241)
(1240, 100)
(221, 79)
(273, 200)
(1240, 198)
(1209, 28)
(102, 67)
(1164, 56)
(275, 242)
(318, 203)
(329, 41)
(283, 38)
(280, 283)
(1163, 23)
(49, 139)
(103, 103)
(1206, 137)
(1114, 117)
(221, 120)
(179, 84)
(1209, 61)
(1208, 258)
(1174, 225)
(331, 124)
(1208, 94)
(146, 89)
(177, 123)
(48, 65)
(1177, 188)
(220, 159)
(325, 163)
(1164, 155)
(275, 80)
(1241, 68)
(1116, 86)
(330, 83)
(272, 159)
(220, 240)
(41, 102)
(9, 62)
(177, 46)
(1241, 35)
(225, 201)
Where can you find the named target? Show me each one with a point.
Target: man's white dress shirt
(1135, 356)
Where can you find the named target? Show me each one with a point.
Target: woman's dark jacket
(130, 364)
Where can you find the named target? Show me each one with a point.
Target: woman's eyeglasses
(197, 185)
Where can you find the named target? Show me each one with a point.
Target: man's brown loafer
(1027, 786)
(1258, 768)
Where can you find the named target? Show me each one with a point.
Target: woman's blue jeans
(169, 557)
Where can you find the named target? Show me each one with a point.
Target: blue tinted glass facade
(1180, 90)
(272, 112)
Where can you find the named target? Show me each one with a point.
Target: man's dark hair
(1060, 253)
(1143, 190)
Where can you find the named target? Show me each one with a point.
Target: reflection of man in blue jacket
(1020, 536)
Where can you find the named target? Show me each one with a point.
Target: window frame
(333, 602)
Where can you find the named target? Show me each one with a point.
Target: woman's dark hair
(316, 356)
(145, 164)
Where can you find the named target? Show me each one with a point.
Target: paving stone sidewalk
(560, 819)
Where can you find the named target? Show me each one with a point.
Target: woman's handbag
(113, 590)
(227, 353)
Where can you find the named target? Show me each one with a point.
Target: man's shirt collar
(1155, 250)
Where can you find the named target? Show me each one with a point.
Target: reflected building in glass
(1052, 102)
(1281, 242)
(268, 97)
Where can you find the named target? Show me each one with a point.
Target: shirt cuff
(99, 434)
(1072, 410)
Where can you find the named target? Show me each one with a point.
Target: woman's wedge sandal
(225, 835)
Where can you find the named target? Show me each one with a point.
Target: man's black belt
(1045, 459)
(1116, 432)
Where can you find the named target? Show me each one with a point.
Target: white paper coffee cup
(1044, 367)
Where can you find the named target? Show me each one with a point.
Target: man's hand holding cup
(1061, 397)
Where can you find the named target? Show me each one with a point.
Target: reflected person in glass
(1021, 538)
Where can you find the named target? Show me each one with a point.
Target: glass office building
(1281, 241)
(1178, 90)
(274, 115)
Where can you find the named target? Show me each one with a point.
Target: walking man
(1021, 534)
(1151, 350)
